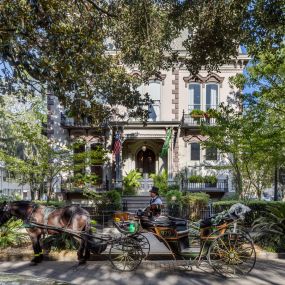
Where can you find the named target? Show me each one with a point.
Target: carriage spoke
(130, 252)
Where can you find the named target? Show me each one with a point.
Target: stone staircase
(133, 203)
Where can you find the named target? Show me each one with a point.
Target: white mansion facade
(175, 94)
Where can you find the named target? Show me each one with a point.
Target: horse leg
(86, 249)
(80, 252)
(83, 253)
(38, 254)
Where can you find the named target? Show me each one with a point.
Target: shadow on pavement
(150, 272)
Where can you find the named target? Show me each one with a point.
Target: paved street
(101, 272)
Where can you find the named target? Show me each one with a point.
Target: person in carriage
(155, 203)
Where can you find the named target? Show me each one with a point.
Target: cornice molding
(159, 76)
(211, 77)
(194, 138)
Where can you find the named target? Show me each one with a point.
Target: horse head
(5, 213)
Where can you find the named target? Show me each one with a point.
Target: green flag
(165, 146)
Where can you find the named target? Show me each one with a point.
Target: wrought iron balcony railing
(219, 186)
(189, 121)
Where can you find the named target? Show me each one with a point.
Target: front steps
(133, 203)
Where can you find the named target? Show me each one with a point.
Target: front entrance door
(145, 162)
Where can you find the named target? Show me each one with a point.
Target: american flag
(117, 145)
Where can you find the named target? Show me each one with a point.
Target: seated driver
(155, 203)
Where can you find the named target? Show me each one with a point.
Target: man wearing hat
(155, 203)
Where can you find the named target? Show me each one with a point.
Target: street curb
(72, 256)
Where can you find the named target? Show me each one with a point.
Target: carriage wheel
(144, 243)
(126, 254)
(232, 254)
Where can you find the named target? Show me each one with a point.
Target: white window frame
(156, 105)
(191, 99)
(217, 99)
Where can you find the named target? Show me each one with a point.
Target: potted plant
(196, 179)
(197, 113)
(131, 182)
(210, 181)
(210, 113)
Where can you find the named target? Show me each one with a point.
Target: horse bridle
(6, 207)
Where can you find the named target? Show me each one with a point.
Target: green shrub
(197, 113)
(230, 197)
(173, 187)
(161, 181)
(111, 200)
(51, 203)
(58, 242)
(270, 228)
(196, 202)
(210, 179)
(10, 234)
(196, 179)
(173, 197)
(211, 113)
(131, 183)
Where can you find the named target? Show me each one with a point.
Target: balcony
(221, 186)
(188, 121)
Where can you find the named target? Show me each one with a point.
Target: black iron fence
(186, 212)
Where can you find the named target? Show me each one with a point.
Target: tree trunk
(276, 183)
(238, 181)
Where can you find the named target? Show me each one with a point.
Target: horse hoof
(32, 263)
(81, 262)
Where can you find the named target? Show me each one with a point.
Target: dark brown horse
(70, 218)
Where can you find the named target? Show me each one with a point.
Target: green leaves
(131, 182)
(78, 49)
(270, 228)
(11, 235)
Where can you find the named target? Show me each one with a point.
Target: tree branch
(100, 9)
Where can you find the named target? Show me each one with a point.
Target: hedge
(258, 208)
(50, 203)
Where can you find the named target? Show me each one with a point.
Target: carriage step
(191, 250)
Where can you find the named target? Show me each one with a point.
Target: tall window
(154, 89)
(194, 97)
(211, 153)
(195, 151)
(211, 96)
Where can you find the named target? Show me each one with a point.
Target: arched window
(212, 95)
(154, 91)
(194, 102)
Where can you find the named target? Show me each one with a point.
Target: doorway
(145, 162)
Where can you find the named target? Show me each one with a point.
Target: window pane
(211, 153)
(154, 91)
(194, 97)
(211, 96)
(154, 112)
(195, 151)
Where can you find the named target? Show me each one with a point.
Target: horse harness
(29, 219)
